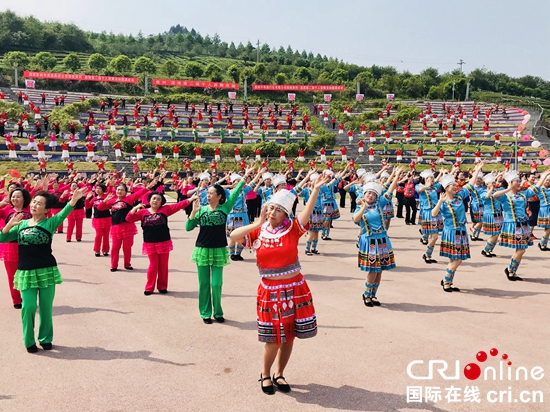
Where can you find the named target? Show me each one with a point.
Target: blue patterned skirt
(492, 223)
(430, 225)
(454, 244)
(375, 253)
(516, 235)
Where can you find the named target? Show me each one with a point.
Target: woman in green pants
(210, 252)
(37, 272)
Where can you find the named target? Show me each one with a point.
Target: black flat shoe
(426, 259)
(105, 254)
(283, 387)
(163, 291)
(32, 349)
(114, 269)
(315, 251)
(367, 301)
(147, 293)
(510, 278)
(516, 277)
(97, 254)
(233, 257)
(543, 248)
(449, 289)
(208, 321)
(433, 260)
(128, 268)
(47, 346)
(308, 253)
(493, 255)
(375, 301)
(424, 242)
(18, 306)
(221, 319)
(486, 254)
(327, 238)
(239, 257)
(269, 389)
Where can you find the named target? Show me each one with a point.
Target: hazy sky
(511, 37)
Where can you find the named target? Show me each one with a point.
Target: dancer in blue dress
(516, 233)
(427, 189)
(375, 249)
(330, 206)
(238, 216)
(454, 239)
(492, 214)
(544, 214)
(476, 207)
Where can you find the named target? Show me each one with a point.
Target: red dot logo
(504, 356)
(481, 356)
(494, 352)
(472, 371)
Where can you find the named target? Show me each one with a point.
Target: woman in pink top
(157, 243)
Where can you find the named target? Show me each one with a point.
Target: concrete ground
(118, 350)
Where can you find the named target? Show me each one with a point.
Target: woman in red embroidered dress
(284, 303)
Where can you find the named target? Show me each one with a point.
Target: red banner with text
(299, 87)
(195, 83)
(80, 77)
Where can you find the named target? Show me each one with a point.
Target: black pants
(399, 196)
(353, 205)
(410, 206)
(342, 197)
(251, 206)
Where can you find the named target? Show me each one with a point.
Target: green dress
(39, 238)
(211, 246)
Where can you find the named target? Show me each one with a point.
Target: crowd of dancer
(33, 209)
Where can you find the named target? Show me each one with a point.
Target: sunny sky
(511, 37)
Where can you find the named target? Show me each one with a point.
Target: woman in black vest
(37, 272)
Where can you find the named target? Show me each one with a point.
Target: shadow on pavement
(350, 398)
(543, 281)
(69, 310)
(498, 293)
(2, 397)
(415, 307)
(97, 353)
(81, 281)
(248, 325)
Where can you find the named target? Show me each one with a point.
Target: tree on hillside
(97, 62)
(45, 60)
(193, 70)
(232, 51)
(247, 73)
(212, 69)
(15, 57)
(280, 78)
(145, 65)
(170, 68)
(234, 72)
(302, 75)
(72, 62)
(121, 64)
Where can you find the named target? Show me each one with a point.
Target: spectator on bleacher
(62, 100)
